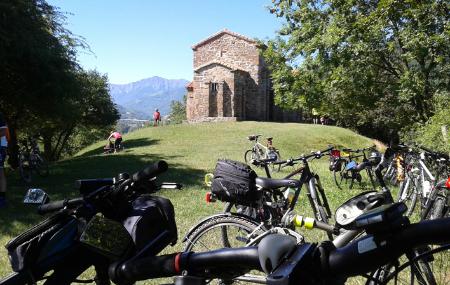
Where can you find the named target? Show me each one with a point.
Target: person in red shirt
(156, 118)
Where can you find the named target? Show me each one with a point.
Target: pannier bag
(26, 248)
(150, 217)
(235, 182)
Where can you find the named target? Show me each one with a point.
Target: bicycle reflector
(447, 183)
(335, 153)
(210, 197)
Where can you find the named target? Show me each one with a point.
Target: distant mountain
(142, 97)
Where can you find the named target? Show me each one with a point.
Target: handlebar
(58, 205)
(150, 171)
(356, 258)
(89, 188)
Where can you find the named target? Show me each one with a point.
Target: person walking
(156, 118)
(3, 147)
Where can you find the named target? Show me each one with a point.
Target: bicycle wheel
(220, 232)
(250, 155)
(425, 267)
(408, 195)
(41, 166)
(439, 208)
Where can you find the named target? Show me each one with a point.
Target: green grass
(191, 151)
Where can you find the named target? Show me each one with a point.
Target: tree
(178, 110)
(42, 88)
(373, 65)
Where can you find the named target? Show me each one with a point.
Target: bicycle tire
(225, 227)
(250, 155)
(438, 209)
(427, 268)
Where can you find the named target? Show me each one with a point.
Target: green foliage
(43, 91)
(430, 134)
(178, 111)
(373, 65)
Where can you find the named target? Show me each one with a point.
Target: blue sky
(136, 39)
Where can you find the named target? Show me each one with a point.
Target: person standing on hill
(3, 147)
(156, 118)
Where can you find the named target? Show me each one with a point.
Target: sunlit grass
(191, 151)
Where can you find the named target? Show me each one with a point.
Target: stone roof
(218, 34)
(219, 62)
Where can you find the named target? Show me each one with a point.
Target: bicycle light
(447, 183)
(210, 197)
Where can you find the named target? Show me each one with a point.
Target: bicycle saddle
(270, 183)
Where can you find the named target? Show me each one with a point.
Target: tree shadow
(16, 217)
(128, 144)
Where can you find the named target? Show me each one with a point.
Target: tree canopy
(376, 66)
(43, 90)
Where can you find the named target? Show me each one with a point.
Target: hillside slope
(191, 151)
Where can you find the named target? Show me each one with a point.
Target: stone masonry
(231, 81)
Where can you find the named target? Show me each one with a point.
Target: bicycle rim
(431, 268)
(223, 232)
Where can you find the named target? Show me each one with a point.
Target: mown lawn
(191, 151)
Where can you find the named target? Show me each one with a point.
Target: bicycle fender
(207, 219)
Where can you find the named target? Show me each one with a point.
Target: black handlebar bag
(235, 182)
(151, 223)
(25, 249)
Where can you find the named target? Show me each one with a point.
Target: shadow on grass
(16, 217)
(128, 144)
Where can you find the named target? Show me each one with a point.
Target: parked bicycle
(112, 220)
(237, 229)
(347, 170)
(285, 261)
(31, 160)
(418, 175)
(260, 151)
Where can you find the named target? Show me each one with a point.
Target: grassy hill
(191, 151)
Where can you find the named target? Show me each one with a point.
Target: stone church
(231, 82)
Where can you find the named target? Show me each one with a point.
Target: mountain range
(138, 100)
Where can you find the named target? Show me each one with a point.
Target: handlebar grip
(150, 171)
(51, 207)
(145, 268)
(326, 227)
(58, 205)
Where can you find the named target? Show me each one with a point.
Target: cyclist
(3, 146)
(114, 141)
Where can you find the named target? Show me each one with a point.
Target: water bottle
(289, 194)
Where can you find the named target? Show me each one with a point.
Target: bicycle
(417, 184)
(236, 229)
(30, 160)
(345, 168)
(285, 261)
(260, 151)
